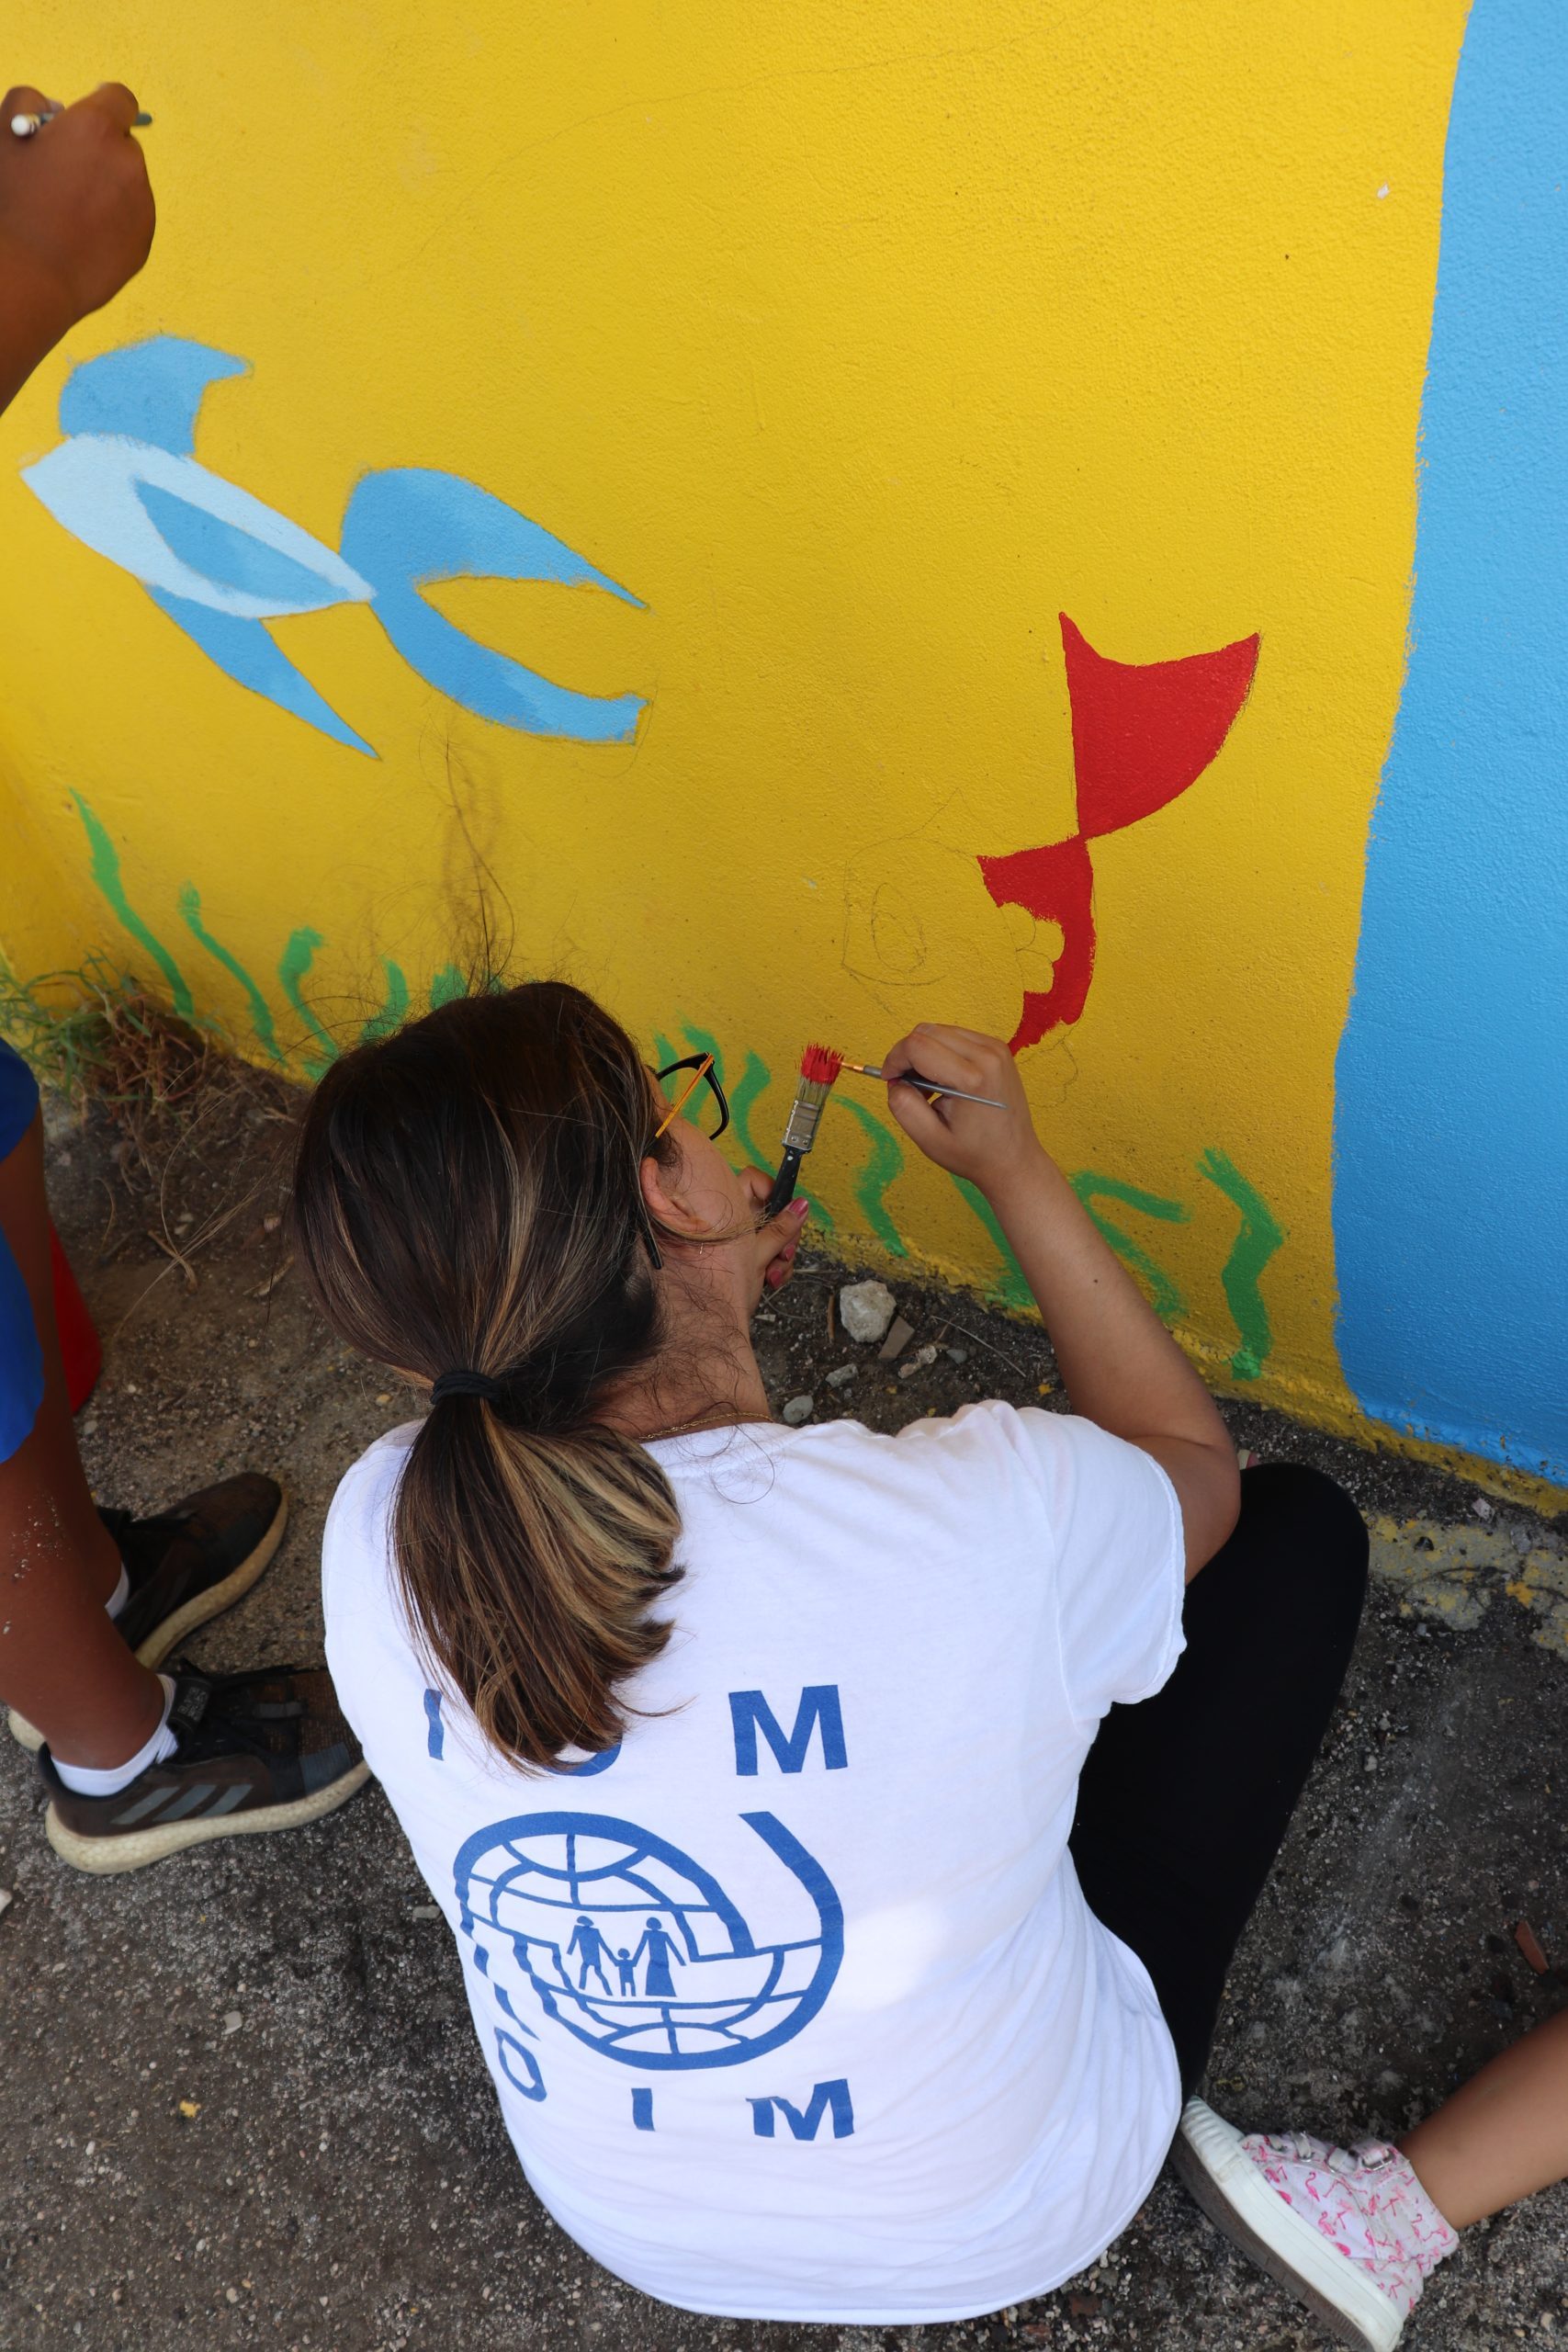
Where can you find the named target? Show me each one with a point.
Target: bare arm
(1119, 1365)
(76, 220)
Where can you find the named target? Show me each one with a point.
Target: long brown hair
(467, 1197)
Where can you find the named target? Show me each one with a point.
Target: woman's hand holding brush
(981, 1139)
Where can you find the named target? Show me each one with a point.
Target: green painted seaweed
(105, 872)
(261, 1012)
(1164, 1297)
(885, 1162)
(382, 1024)
(293, 966)
(1261, 1235)
(1009, 1287)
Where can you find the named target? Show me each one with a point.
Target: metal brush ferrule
(801, 1132)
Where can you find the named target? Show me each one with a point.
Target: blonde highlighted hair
(467, 1197)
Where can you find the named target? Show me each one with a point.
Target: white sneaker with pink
(1350, 2231)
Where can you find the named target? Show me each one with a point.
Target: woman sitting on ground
(845, 1836)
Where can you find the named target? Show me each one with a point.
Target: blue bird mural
(222, 564)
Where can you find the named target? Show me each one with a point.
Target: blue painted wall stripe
(1452, 1113)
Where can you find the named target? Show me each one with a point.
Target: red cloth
(79, 1343)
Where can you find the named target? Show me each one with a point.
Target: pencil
(27, 126)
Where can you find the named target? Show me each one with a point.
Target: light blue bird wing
(245, 652)
(147, 392)
(232, 558)
(411, 524)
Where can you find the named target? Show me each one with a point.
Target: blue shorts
(21, 1360)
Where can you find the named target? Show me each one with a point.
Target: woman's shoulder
(991, 1433)
(989, 1455)
(361, 1507)
(1012, 1453)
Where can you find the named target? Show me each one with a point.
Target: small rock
(232, 2020)
(425, 1911)
(798, 1409)
(1482, 1508)
(6, 1898)
(917, 1361)
(958, 1355)
(842, 1376)
(866, 1309)
(897, 1340)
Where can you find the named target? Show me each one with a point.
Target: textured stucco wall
(669, 443)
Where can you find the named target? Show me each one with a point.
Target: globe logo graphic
(635, 1948)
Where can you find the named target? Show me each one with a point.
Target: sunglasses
(702, 1074)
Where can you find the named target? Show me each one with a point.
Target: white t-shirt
(793, 2004)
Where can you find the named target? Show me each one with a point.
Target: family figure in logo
(1081, 1664)
(658, 1946)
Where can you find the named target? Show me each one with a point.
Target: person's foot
(1350, 2231)
(189, 1563)
(252, 1752)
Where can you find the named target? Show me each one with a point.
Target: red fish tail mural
(1143, 731)
(1055, 883)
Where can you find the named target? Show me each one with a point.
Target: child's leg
(1503, 2135)
(1356, 2232)
(62, 1665)
(1185, 1799)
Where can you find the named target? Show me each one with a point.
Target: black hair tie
(465, 1384)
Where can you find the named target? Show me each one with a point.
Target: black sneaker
(188, 1564)
(256, 1751)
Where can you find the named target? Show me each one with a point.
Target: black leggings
(1185, 1799)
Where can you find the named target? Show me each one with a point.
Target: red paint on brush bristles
(821, 1065)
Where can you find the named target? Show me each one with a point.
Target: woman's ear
(662, 1194)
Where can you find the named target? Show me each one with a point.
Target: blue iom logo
(632, 1946)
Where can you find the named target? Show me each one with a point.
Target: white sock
(83, 1780)
(121, 1594)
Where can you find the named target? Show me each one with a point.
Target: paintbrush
(930, 1087)
(819, 1066)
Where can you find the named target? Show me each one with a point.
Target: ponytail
(468, 1193)
(527, 1564)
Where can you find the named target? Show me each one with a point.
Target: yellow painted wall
(857, 343)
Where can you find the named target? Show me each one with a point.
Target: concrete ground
(243, 2102)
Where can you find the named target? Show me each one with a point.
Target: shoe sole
(168, 1635)
(1238, 2201)
(104, 1856)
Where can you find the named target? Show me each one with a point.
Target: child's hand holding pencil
(76, 218)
